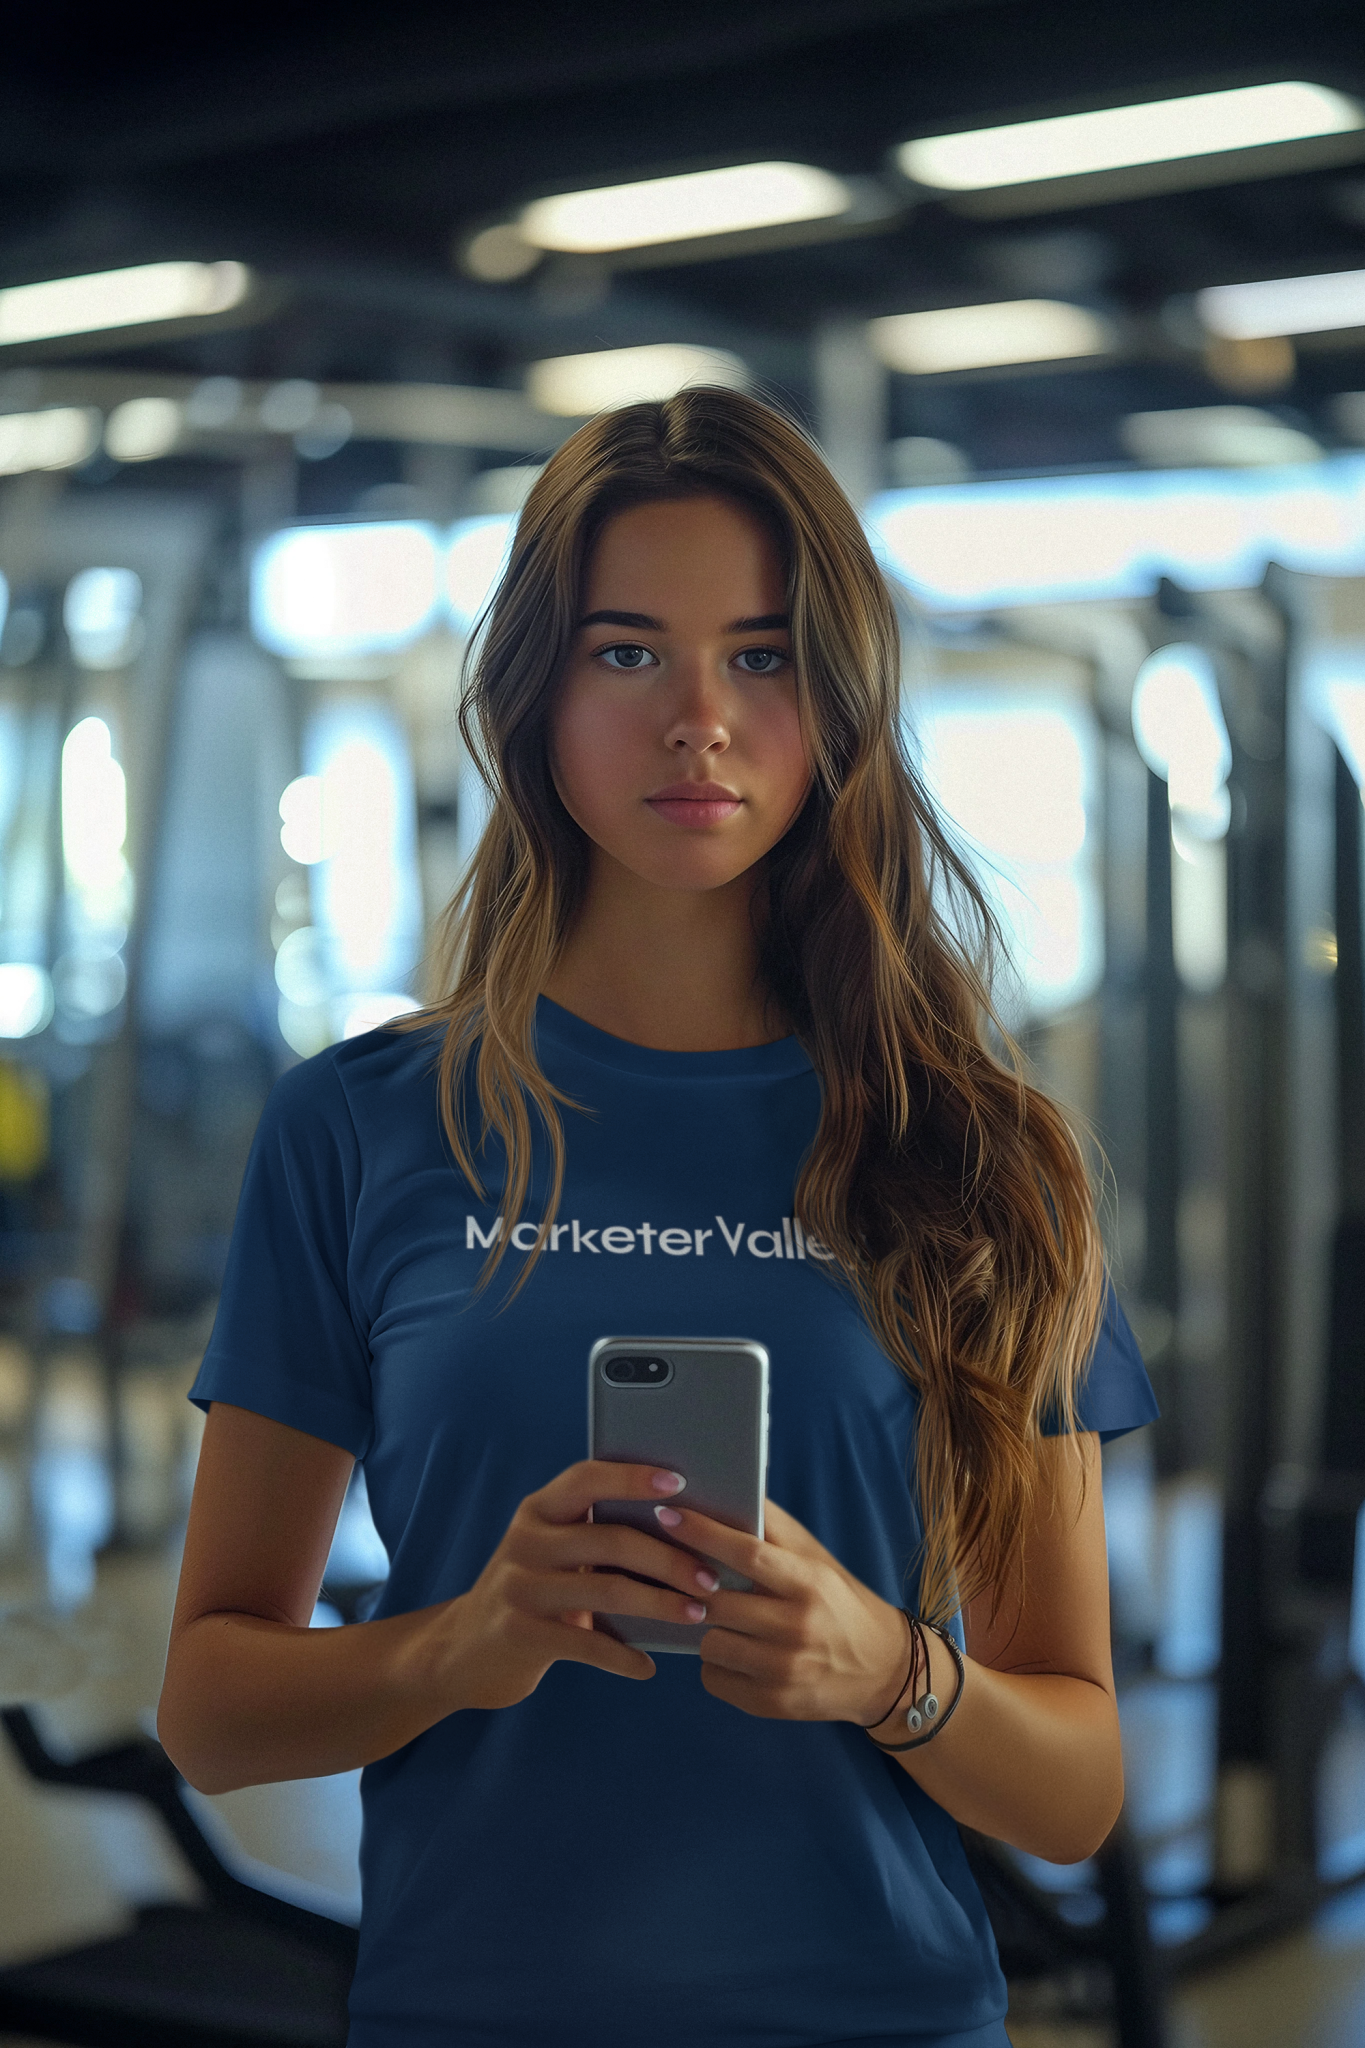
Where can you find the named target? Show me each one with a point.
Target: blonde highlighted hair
(952, 1193)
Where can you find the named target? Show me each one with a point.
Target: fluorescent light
(1046, 540)
(101, 615)
(94, 807)
(355, 808)
(141, 429)
(302, 829)
(983, 337)
(475, 560)
(56, 439)
(301, 968)
(500, 254)
(368, 1012)
(574, 385)
(683, 209)
(1016, 774)
(148, 293)
(1181, 733)
(1199, 898)
(1345, 699)
(1283, 305)
(1240, 436)
(25, 999)
(366, 895)
(345, 590)
(991, 767)
(1118, 138)
(1333, 683)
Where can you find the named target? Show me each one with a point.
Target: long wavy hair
(952, 1194)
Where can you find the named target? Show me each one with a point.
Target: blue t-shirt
(607, 1862)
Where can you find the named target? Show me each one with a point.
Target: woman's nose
(698, 713)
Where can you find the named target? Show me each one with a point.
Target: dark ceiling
(345, 153)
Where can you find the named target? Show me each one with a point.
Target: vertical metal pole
(1349, 991)
(1139, 2001)
(176, 541)
(1257, 1085)
(1161, 1262)
(1343, 1421)
(850, 406)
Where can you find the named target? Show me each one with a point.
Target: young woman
(701, 993)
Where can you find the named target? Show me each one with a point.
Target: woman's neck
(672, 969)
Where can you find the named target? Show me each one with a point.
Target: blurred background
(290, 315)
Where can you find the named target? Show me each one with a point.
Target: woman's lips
(705, 804)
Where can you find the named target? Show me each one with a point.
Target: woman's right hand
(527, 1608)
(254, 1695)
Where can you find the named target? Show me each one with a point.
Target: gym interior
(291, 315)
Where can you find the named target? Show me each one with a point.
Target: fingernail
(695, 1611)
(667, 1482)
(669, 1517)
(707, 1581)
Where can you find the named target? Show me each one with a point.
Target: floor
(1305, 1992)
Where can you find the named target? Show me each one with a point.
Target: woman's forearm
(249, 1701)
(1031, 1758)
(252, 1695)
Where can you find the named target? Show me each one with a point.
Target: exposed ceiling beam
(328, 83)
(438, 415)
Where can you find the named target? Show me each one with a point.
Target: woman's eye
(761, 661)
(626, 655)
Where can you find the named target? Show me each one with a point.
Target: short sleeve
(287, 1341)
(1115, 1394)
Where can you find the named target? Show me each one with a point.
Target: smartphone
(695, 1405)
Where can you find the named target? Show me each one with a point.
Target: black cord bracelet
(940, 1721)
(915, 1647)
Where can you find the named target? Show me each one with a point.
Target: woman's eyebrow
(641, 619)
(766, 622)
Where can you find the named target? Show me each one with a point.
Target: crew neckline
(561, 1028)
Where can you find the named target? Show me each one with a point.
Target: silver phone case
(709, 1422)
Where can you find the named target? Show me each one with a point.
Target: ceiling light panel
(477, 554)
(1050, 540)
(141, 429)
(987, 337)
(139, 297)
(1222, 436)
(573, 386)
(345, 590)
(59, 437)
(1283, 305)
(1119, 138)
(735, 200)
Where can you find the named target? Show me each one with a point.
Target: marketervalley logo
(788, 1242)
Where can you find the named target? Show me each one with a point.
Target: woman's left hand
(810, 1643)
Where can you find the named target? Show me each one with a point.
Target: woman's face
(675, 741)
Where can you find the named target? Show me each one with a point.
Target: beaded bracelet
(926, 1708)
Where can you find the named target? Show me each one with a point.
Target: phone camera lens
(637, 1372)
